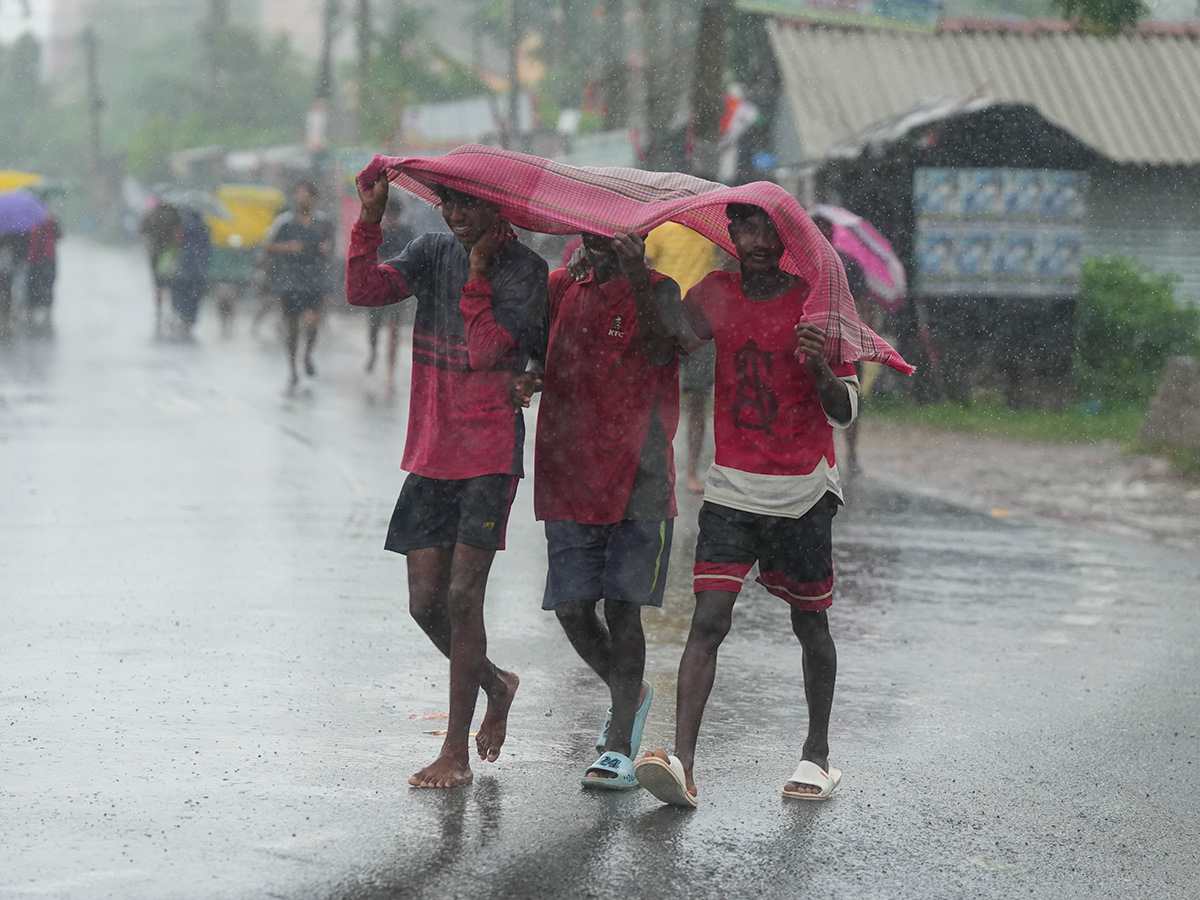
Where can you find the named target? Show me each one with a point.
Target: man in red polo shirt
(481, 300)
(605, 472)
(771, 493)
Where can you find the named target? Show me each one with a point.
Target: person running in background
(190, 284)
(682, 254)
(856, 280)
(297, 248)
(42, 269)
(605, 474)
(771, 493)
(160, 227)
(481, 302)
(396, 236)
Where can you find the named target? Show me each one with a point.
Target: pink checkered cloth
(541, 195)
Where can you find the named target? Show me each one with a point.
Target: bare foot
(694, 484)
(494, 727)
(793, 787)
(443, 772)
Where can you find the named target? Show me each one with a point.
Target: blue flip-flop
(639, 725)
(621, 777)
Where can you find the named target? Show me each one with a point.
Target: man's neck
(766, 285)
(605, 274)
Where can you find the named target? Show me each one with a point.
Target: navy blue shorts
(439, 513)
(626, 561)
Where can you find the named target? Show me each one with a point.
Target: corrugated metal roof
(1135, 98)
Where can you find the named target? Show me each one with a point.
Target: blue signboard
(998, 232)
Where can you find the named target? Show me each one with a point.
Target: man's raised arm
(367, 282)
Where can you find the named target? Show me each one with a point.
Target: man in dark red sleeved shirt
(771, 493)
(481, 300)
(605, 476)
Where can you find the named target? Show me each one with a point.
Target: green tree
(260, 96)
(405, 68)
(1129, 322)
(1105, 17)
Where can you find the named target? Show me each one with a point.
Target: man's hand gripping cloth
(541, 195)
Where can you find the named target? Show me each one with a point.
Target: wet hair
(740, 212)
(451, 194)
(309, 185)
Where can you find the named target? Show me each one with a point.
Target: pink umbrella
(853, 235)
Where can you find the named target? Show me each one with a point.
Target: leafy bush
(1129, 323)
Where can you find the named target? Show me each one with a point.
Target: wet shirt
(160, 226)
(305, 271)
(43, 242)
(774, 441)
(607, 416)
(470, 337)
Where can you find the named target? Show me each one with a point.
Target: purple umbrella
(20, 211)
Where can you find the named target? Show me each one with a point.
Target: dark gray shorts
(794, 556)
(439, 513)
(625, 561)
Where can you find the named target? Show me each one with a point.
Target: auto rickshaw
(235, 240)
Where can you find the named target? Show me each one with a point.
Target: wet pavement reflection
(211, 687)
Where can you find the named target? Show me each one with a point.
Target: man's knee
(464, 600)
(810, 626)
(711, 620)
(423, 611)
(624, 619)
(574, 616)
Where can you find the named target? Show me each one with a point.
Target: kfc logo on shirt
(617, 329)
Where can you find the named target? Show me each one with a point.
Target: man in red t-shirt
(481, 299)
(770, 496)
(605, 473)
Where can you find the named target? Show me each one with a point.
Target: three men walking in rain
(602, 339)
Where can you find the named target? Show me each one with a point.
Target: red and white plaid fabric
(542, 195)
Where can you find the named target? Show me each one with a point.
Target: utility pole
(218, 21)
(635, 21)
(319, 113)
(362, 39)
(513, 132)
(708, 89)
(95, 100)
(325, 72)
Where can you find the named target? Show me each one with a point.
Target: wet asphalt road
(208, 681)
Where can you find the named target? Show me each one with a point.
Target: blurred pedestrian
(41, 271)
(604, 479)
(481, 300)
(396, 236)
(190, 284)
(771, 493)
(856, 280)
(686, 256)
(298, 248)
(160, 227)
(14, 247)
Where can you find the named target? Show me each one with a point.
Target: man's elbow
(358, 294)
